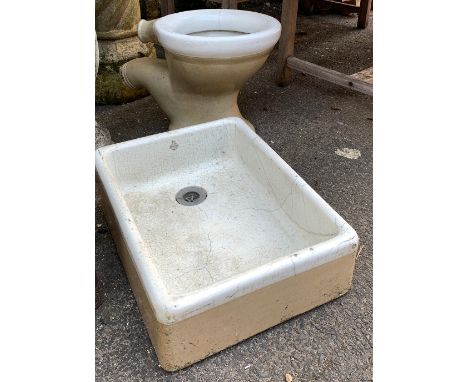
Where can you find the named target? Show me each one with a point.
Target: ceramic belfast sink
(219, 237)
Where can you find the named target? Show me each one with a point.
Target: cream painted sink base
(262, 248)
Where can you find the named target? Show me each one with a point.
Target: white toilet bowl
(210, 54)
(217, 33)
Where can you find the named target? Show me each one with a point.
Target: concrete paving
(305, 123)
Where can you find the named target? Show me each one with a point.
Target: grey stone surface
(101, 137)
(305, 123)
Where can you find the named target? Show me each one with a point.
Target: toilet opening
(217, 33)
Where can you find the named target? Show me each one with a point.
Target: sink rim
(169, 309)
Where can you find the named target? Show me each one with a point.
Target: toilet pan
(210, 54)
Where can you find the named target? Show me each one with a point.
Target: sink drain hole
(191, 196)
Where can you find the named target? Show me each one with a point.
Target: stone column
(116, 27)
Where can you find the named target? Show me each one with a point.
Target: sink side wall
(293, 194)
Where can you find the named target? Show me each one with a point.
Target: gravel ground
(306, 123)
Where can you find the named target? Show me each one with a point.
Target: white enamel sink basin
(209, 272)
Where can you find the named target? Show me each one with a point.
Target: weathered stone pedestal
(116, 28)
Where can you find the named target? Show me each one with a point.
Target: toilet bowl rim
(262, 32)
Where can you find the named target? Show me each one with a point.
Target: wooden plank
(170, 7)
(364, 13)
(228, 5)
(329, 75)
(163, 4)
(167, 7)
(344, 7)
(286, 43)
(366, 75)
